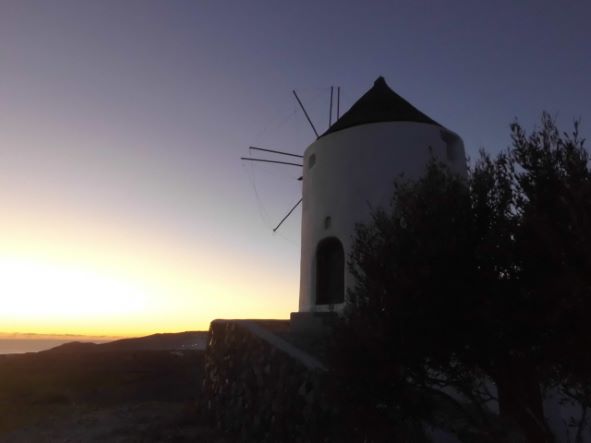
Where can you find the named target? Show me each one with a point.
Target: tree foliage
(470, 283)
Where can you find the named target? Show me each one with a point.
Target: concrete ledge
(312, 322)
(303, 357)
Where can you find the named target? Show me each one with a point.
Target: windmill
(351, 169)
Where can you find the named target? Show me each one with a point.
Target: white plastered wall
(353, 171)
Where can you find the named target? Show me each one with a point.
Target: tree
(464, 284)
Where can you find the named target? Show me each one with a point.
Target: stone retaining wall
(259, 386)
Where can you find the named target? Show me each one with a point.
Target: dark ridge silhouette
(74, 347)
(180, 341)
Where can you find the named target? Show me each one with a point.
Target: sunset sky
(124, 206)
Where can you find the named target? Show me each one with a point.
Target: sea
(24, 345)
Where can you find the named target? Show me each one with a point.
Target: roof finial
(380, 81)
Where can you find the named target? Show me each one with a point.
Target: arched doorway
(330, 272)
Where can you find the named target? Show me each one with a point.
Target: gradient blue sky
(122, 124)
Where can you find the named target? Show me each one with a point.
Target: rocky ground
(103, 396)
(132, 422)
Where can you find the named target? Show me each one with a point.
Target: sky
(124, 206)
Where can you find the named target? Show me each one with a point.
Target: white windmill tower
(350, 169)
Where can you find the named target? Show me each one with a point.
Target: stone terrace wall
(260, 387)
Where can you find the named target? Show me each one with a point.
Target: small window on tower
(311, 161)
(453, 150)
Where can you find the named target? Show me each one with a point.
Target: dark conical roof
(379, 104)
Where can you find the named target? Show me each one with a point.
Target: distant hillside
(180, 341)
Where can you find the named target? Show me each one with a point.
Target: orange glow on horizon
(90, 279)
(52, 299)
